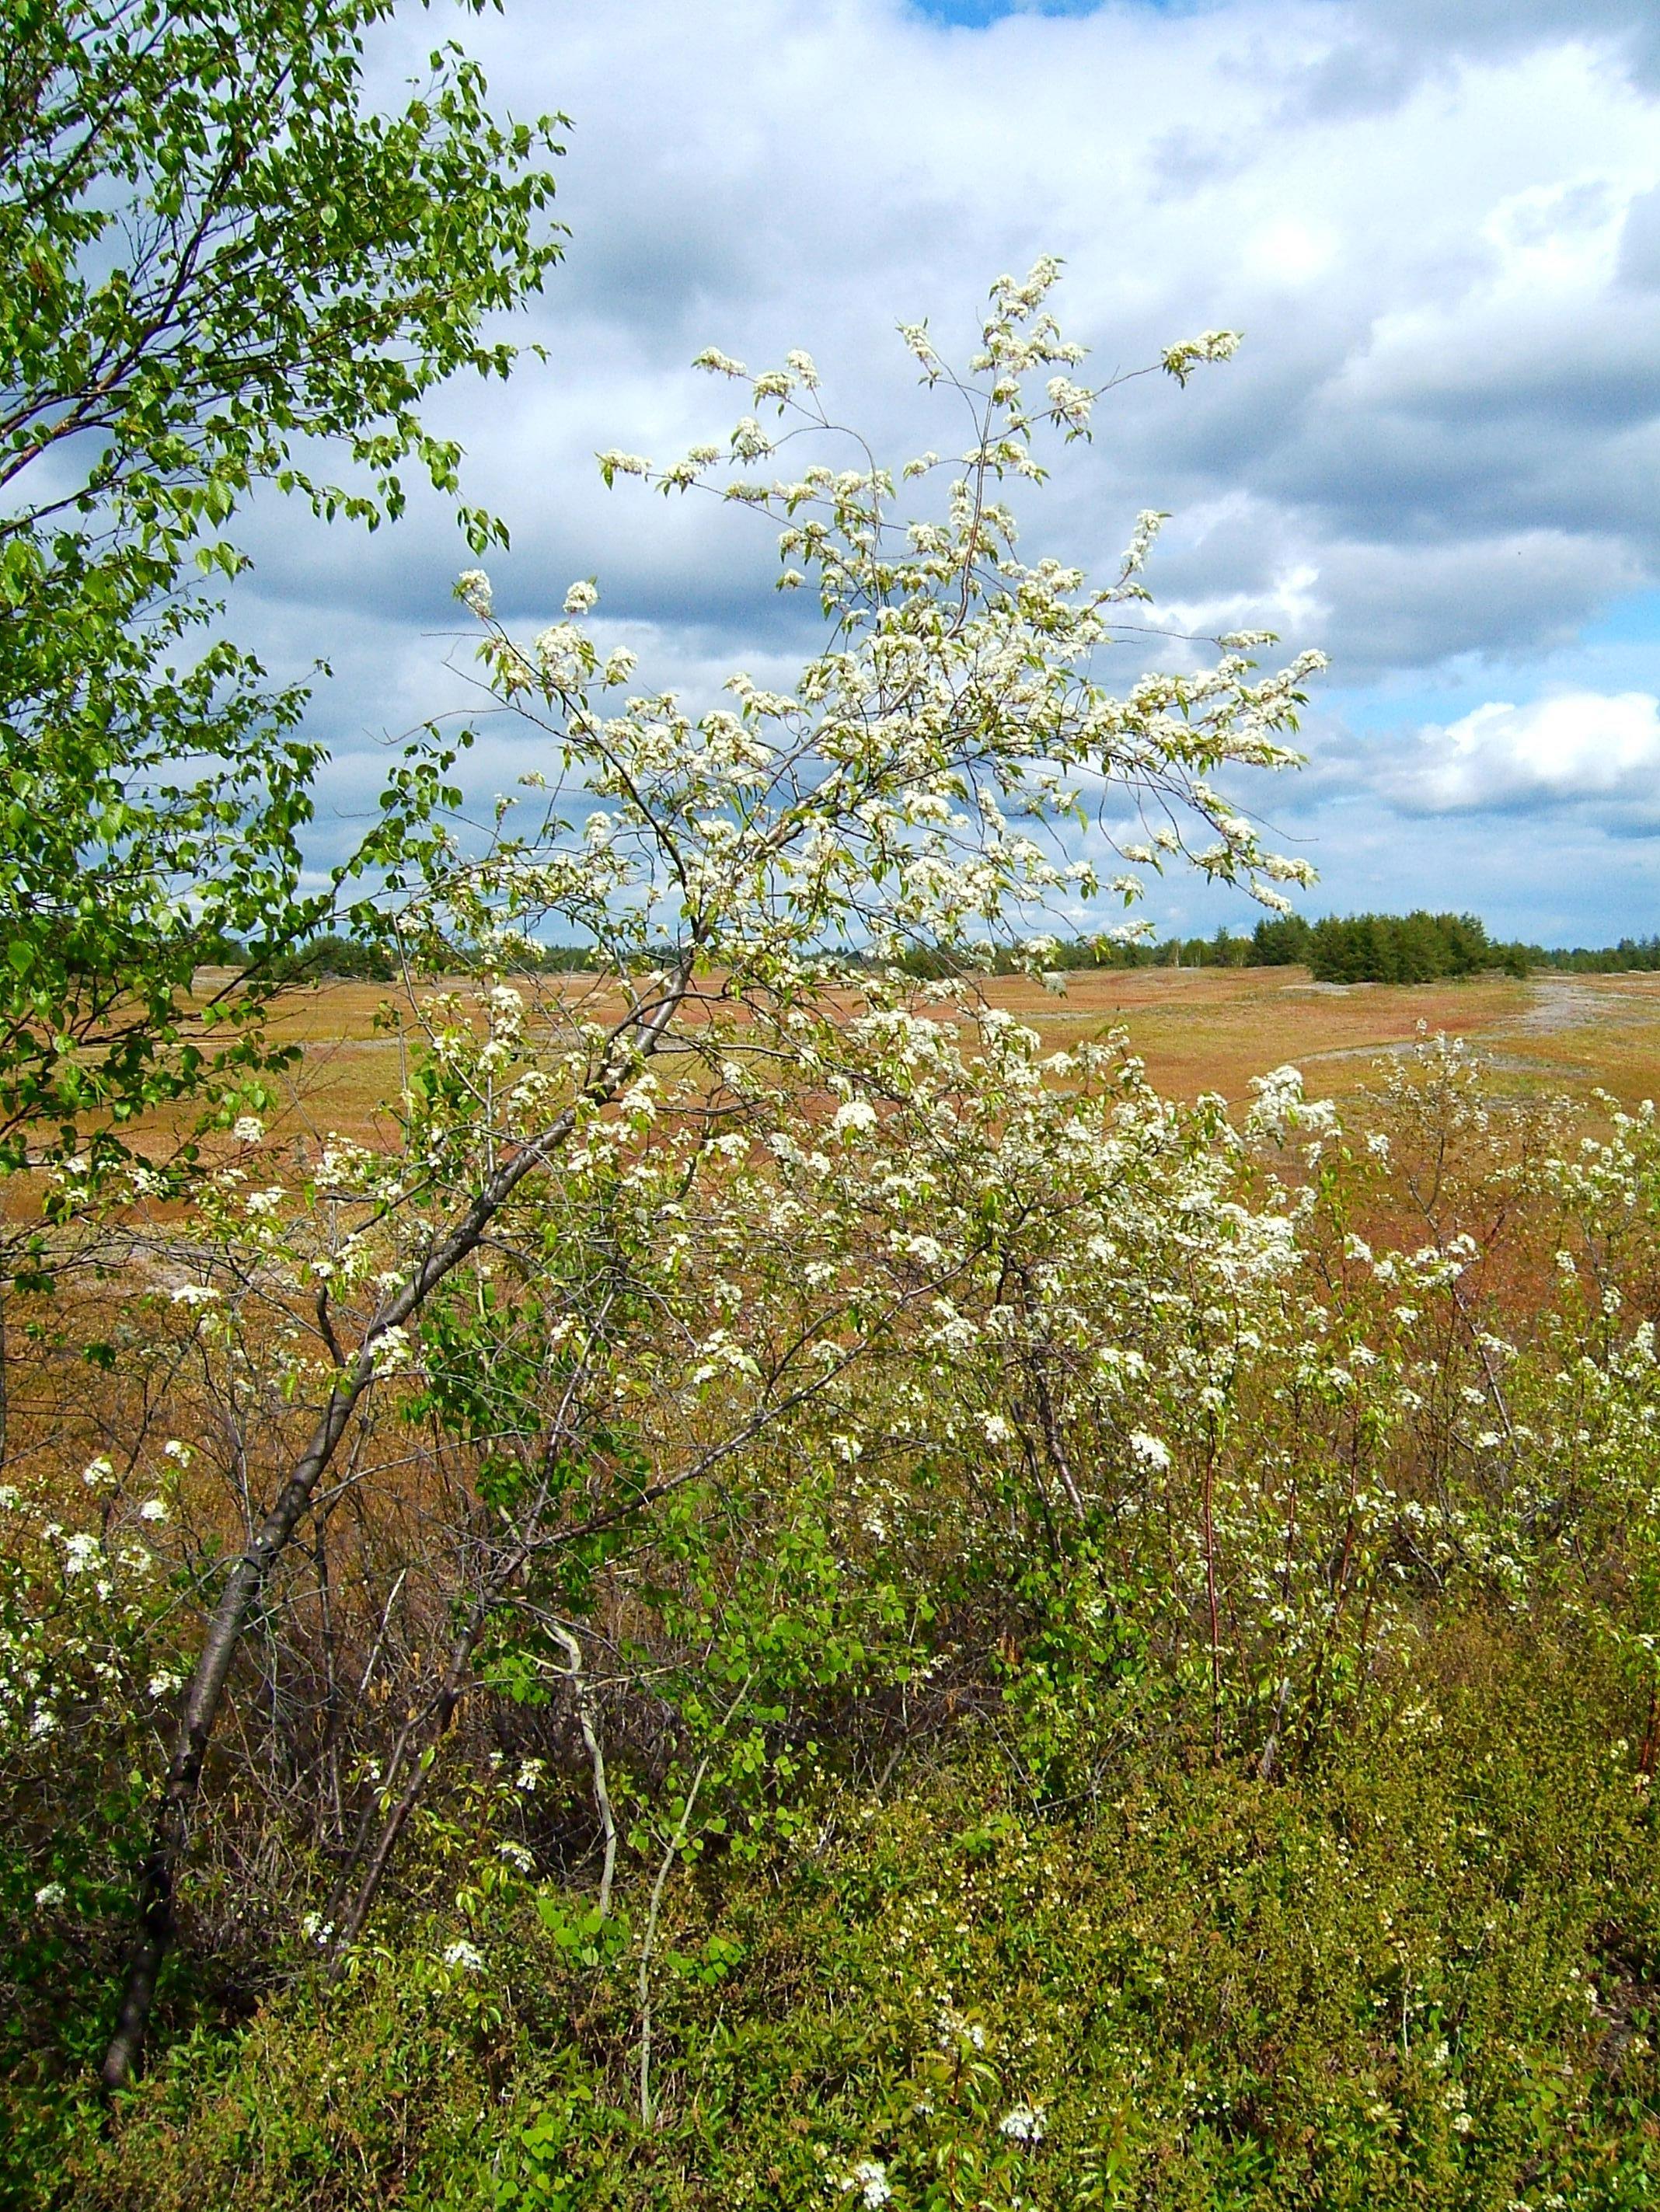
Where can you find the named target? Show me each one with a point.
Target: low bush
(1421, 1973)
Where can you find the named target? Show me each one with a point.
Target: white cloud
(1573, 746)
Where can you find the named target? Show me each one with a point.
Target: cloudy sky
(1437, 457)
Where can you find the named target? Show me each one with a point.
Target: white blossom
(854, 1118)
(1024, 2123)
(870, 2178)
(393, 1351)
(472, 588)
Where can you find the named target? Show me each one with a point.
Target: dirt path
(1568, 1002)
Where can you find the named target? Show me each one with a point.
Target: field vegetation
(1195, 1029)
(1173, 1718)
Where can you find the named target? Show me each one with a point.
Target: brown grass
(1197, 1029)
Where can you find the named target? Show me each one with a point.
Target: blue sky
(1437, 457)
(974, 15)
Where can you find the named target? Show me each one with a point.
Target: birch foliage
(221, 267)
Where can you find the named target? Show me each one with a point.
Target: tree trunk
(158, 1874)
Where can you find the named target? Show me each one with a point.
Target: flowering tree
(914, 786)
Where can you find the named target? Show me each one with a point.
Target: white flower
(180, 1453)
(995, 1429)
(582, 597)
(53, 1893)
(80, 1553)
(953, 2029)
(530, 1774)
(1024, 2124)
(194, 1294)
(614, 463)
(516, 1856)
(1152, 1451)
(857, 1115)
(164, 1684)
(154, 1509)
(472, 588)
(10, 1497)
(465, 1956)
(392, 1351)
(871, 2179)
(247, 1129)
(562, 654)
(97, 1472)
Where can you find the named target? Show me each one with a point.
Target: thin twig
(573, 1651)
(650, 1938)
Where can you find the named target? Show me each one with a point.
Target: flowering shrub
(740, 1401)
(773, 1451)
(89, 1672)
(907, 790)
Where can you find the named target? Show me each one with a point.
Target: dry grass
(1197, 1029)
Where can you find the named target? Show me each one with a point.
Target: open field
(1213, 1029)
(1197, 1029)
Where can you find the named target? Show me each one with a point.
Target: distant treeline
(1421, 947)
(1608, 960)
(1360, 948)
(1367, 948)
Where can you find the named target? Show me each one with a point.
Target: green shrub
(1419, 1976)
